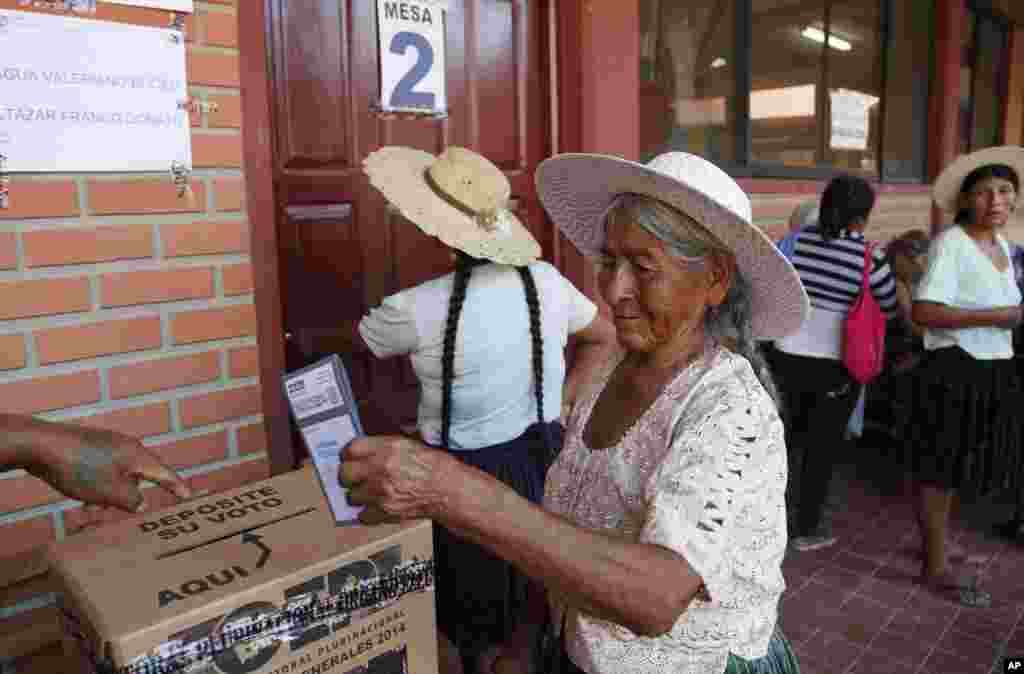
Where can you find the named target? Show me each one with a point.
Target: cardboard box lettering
(258, 580)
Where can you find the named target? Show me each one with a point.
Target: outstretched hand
(101, 467)
(394, 476)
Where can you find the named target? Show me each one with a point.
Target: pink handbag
(864, 331)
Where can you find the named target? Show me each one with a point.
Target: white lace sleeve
(695, 495)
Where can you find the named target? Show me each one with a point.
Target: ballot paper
(324, 408)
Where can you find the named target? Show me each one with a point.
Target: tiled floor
(856, 608)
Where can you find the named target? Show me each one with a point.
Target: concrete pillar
(944, 106)
(1013, 112)
(608, 60)
(610, 65)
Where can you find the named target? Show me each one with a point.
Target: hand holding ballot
(96, 466)
(324, 408)
(395, 476)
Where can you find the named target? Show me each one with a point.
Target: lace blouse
(702, 472)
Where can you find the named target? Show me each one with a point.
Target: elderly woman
(663, 529)
(486, 342)
(964, 429)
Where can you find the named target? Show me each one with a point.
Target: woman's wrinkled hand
(395, 477)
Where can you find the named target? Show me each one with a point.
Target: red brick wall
(123, 306)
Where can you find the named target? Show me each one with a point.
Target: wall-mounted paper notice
(173, 5)
(85, 95)
(412, 55)
(851, 119)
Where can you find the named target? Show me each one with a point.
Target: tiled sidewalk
(856, 608)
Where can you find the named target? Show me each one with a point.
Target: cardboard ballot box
(258, 580)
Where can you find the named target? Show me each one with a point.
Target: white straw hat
(946, 190)
(459, 197)
(577, 189)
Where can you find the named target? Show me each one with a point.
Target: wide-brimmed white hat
(459, 197)
(946, 190)
(577, 189)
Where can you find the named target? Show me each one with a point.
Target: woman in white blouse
(663, 530)
(964, 431)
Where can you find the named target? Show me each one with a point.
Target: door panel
(311, 62)
(337, 264)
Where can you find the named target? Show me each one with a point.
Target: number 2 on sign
(403, 96)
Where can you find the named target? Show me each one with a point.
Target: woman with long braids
(818, 392)
(487, 345)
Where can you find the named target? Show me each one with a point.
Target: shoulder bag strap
(868, 259)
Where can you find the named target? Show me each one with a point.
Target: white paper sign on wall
(412, 63)
(850, 119)
(173, 5)
(84, 95)
(77, 6)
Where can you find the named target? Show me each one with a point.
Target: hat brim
(399, 173)
(577, 189)
(946, 190)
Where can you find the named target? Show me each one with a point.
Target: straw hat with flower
(459, 197)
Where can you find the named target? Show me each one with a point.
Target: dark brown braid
(538, 345)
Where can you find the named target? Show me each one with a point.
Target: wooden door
(341, 249)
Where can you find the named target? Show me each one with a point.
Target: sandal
(950, 587)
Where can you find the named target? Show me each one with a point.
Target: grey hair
(686, 240)
(681, 234)
(730, 323)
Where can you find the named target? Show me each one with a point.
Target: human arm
(883, 286)
(593, 333)
(938, 293)
(387, 330)
(942, 316)
(906, 303)
(595, 345)
(641, 586)
(92, 465)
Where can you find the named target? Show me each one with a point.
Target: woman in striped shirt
(819, 393)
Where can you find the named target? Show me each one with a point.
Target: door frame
(263, 205)
(584, 80)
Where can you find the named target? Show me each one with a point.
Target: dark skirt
(964, 428)
(780, 659)
(479, 596)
